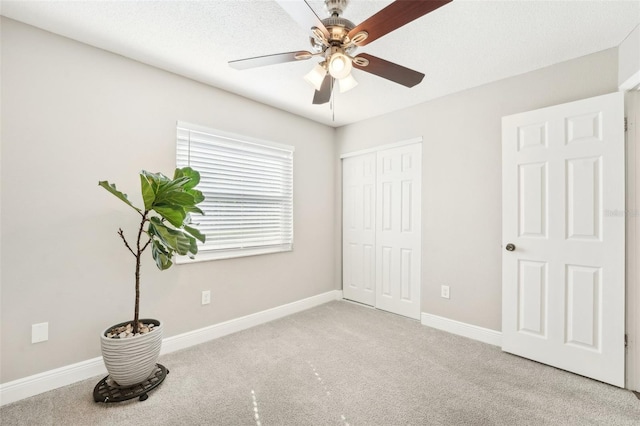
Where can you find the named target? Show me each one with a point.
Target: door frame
(376, 149)
(411, 141)
(632, 154)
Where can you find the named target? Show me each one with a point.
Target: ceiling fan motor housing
(338, 29)
(335, 7)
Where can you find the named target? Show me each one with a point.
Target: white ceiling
(463, 44)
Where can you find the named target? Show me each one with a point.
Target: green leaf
(174, 239)
(155, 179)
(193, 175)
(172, 185)
(198, 197)
(194, 209)
(185, 244)
(193, 250)
(177, 197)
(175, 215)
(178, 173)
(157, 229)
(122, 196)
(161, 255)
(197, 234)
(148, 194)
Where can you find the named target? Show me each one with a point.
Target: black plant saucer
(107, 391)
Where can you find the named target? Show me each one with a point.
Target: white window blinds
(248, 189)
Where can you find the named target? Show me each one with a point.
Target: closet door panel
(398, 230)
(358, 228)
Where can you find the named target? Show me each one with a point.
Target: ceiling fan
(335, 39)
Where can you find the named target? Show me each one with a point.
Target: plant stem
(138, 256)
(125, 240)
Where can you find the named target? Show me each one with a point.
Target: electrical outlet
(40, 332)
(206, 297)
(444, 291)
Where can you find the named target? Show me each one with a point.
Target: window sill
(204, 256)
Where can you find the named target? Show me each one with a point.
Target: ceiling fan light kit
(339, 65)
(347, 83)
(315, 77)
(336, 38)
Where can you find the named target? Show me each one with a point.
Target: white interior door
(398, 230)
(563, 211)
(358, 228)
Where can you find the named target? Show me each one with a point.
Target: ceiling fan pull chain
(332, 104)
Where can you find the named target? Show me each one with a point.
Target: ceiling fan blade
(302, 13)
(323, 95)
(392, 17)
(394, 72)
(261, 61)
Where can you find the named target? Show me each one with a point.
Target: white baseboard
(195, 337)
(52, 379)
(481, 334)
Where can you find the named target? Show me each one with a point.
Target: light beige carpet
(341, 364)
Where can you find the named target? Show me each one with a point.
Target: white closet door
(398, 230)
(358, 228)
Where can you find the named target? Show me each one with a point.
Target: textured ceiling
(464, 44)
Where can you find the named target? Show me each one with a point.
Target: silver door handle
(510, 247)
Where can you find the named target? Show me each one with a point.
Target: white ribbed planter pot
(132, 360)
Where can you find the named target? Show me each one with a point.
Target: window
(248, 189)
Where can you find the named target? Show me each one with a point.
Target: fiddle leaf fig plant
(165, 220)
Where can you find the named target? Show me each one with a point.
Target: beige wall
(74, 115)
(629, 60)
(462, 176)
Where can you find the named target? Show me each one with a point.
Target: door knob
(510, 247)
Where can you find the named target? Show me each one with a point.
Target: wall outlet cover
(444, 291)
(40, 332)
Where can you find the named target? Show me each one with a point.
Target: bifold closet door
(398, 230)
(358, 228)
(381, 229)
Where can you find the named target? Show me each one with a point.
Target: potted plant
(130, 349)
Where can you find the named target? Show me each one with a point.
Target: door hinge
(625, 124)
(626, 340)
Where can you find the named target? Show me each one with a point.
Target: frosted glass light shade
(315, 77)
(339, 65)
(347, 83)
